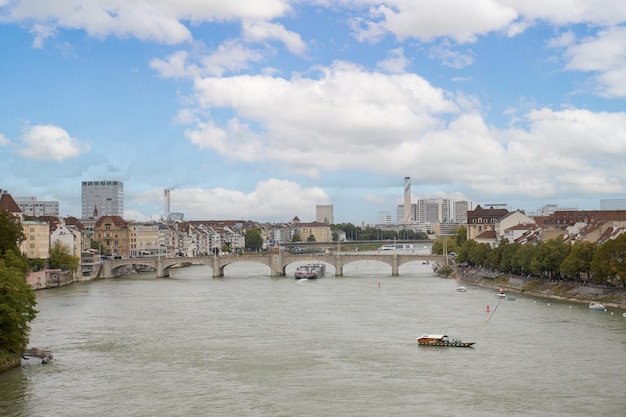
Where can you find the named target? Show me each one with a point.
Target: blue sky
(261, 110)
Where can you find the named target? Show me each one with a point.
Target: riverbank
(9, 360)
(556, 290)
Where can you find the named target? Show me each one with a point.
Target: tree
(296, 237)
(61, 257)
(254, 240)
(17, 299)
(11, 233)
(311, 238)
(460, 236)
(549, 256)
(579, 259)
(442, 243)
(17, 308)
(609, 262)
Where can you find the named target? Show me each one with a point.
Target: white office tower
(460, 211)
(102, 198)
(324, 213)
(611, 204)
(30, 206)
(407, 200)
(383, 217)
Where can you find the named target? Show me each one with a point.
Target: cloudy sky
(262, 109)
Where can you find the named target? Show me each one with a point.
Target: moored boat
(596, 306)
(441, 340)
(310, 271)
(461, 289)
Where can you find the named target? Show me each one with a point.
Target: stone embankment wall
(50, 278)
(559, 290)
(10, 363)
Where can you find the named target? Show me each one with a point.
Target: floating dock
(45, 355)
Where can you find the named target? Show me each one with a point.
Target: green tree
(17, 308)
(296, 237)
(473, 253)
(254, 240)
(609, 262)
(445, 270)
(311, 238)
(494, 260)
(549, 256)
(61, 257)
(579, 259)
(446, 242)
(460, 236)
(521, 259)
(11, 233)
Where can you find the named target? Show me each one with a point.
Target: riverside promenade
(535, 287)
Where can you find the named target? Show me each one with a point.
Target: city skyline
(266, 111)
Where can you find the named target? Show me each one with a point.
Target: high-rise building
(30, 206)
(102, 198)
(324, 214)
(407, 200)
(613, 204)
(460, 211)
(383, 217)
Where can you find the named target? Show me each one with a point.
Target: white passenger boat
(596, 306)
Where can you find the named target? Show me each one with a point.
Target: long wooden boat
(441, 340)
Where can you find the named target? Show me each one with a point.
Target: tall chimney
(407, 200)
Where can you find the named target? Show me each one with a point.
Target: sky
(260, 110)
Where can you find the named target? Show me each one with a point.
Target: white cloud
(259, 31)
(350, 120)
(3, 140)
(266, 202)
(48, 142)
(174, 66)
(430, 19)
(450, 58)
(564, 12)
(396, 62)
(334, 122)
(604, 55)
(232, 56)
(151, 20)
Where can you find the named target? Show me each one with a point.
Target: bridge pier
(395, 265)
(276, 266)
(160, 271)
(218, 271)
(338, 265)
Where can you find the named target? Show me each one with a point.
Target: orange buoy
(487, 308)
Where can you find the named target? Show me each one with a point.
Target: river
(251, 345)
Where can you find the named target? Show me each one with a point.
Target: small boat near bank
(461, 289)
(310, 271)
(595, 306)
(441, 340)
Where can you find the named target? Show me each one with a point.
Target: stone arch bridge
(276, 262)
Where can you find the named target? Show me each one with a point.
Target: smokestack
(407, 200)
(166, 204)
